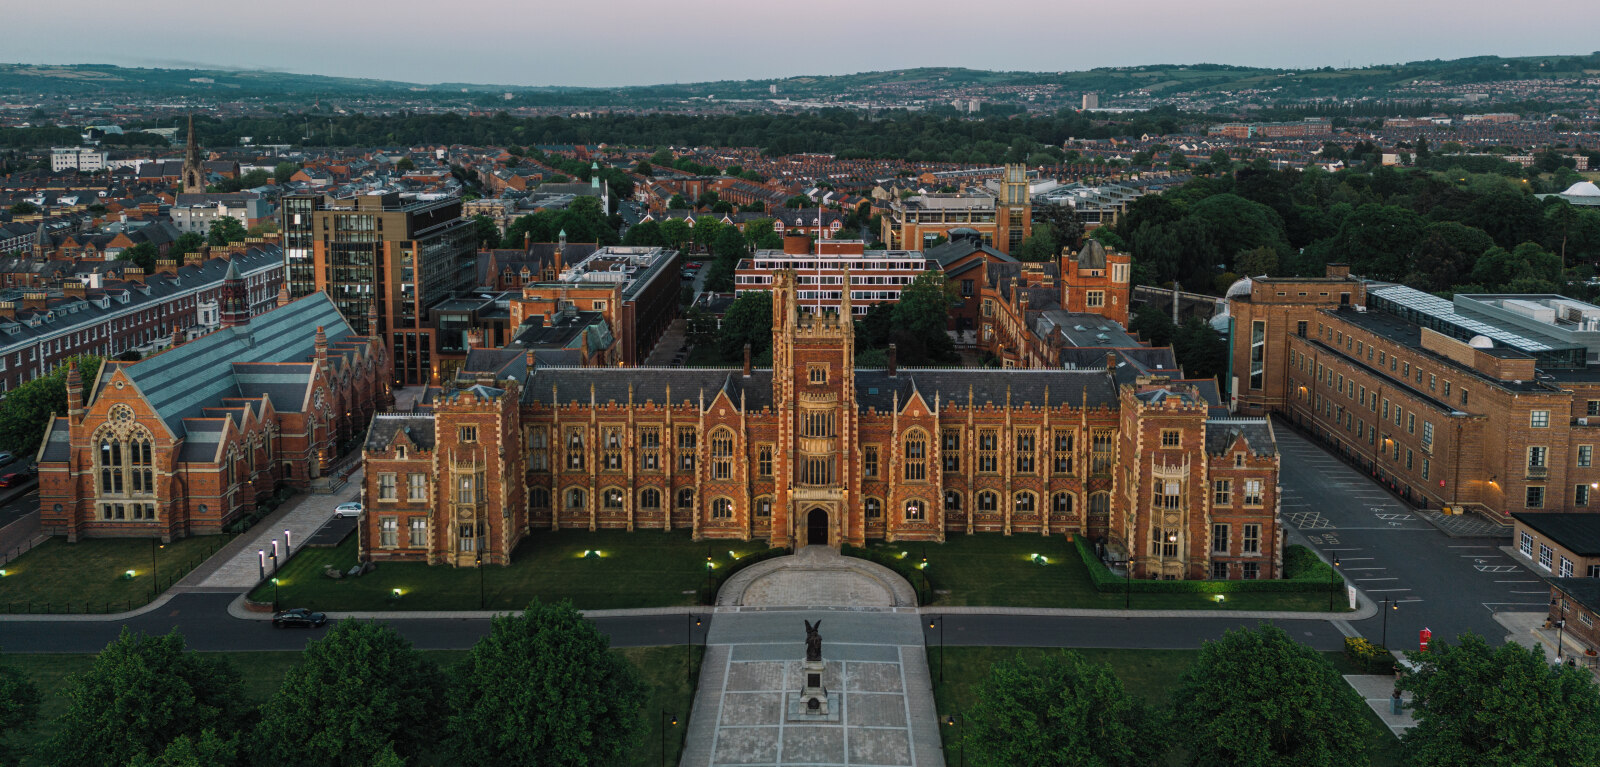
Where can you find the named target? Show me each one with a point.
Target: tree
(1477, 705)
(359, 689)
(643, 233)
(19, 706)
(142, 255)
(644, 168)
(920, 317)
(405, 164)
(1260, 699)
(1177, 160)
(209, 750)
(1257, 261)
(1202, 351)
(1038, 246)
(487, 231)
(675, 232)
(756, 229)
(1153, 324)
(1065, 710)
(706, 229)
(797, 201)
(142, 693)
(663, 158)
(284, 171)
(707, 199)
(543, 689)
(188, 242)
(225, 229)
(677, 203)
(747, 321)
(24, 208)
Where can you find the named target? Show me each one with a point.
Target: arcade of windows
(127, 469)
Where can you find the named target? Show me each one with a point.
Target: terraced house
(816, 452)
(186, 441)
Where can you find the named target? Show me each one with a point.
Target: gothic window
(764, 461)
(1061, 463)
(988, 501)
(1100, 503)
(988, 451)
(722, 454)
(952, 500)
(1061, 503)
(416, 487)
(816, 470)
(874, 508)
(649, 498)
(686, 498)
(764, 506)
(916, 511)
(575, 449)
(1164, 541)
(125, 457)
(816, 423)
(869, 461)
(538, 445)
(649, 448)
(1103, 449)
(916, 457)
(612, 444)
(950, 448)
(1169, 494)
(538, 498)
(611, 498)
(686, 447)
(721, 508)
(1026, 503)
(575, 498)
(1025, 451)
(467, 488)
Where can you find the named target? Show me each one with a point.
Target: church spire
(194, 177)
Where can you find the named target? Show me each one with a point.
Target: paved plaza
(238, 568)
(875, 668)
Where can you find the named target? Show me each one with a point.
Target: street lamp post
(688, 645)
(940, 620)
(288, 543)
(274, 556)
(1333, 576)
(261, 563)
(1561, 624)
(664, 724)
(274, 594)
(479, 560)
(1127, 585)
(153, 570)
(1388, 605)
(952, 721)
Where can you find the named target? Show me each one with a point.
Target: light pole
(479, 561)
(1387, 606)
(153, 571)
(1333, 576)
(952, 721)
(288, 544)
(274, 594)
(274, 556)
(1561, 624)
(1127, 585)
(688, 646)
(940, 620)
(664, 717)
(261, 562)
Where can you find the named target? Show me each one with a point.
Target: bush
(1369, 657)
(708, 592)
(1105, 580)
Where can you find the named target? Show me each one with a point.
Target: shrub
(1369, 657)
(1105, 580)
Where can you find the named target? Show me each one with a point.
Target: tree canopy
(920, 317)
(1260, 699)
(358, 691)
(747, 321)
(26, 411)
(19, 706)
(1066, 710)
(225, 229)
(543, 689)
(1481, 706)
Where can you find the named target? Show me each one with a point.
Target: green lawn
(645, 568)
(1148, 674)
(89, 576)
(661, 668)
(986, 569)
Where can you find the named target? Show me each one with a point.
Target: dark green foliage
(487, 232)
(677, 203)
(542, 689)
(1304, 576)
(583, 221)
(360, 690)
(225, 229)
(1478, 706)
(284, 171)
(920, 317)
(143, 693)
(143, 255)
(747, 321)
(188, 242)
(26, 411)
(643, 233)
(1260, 699)
(1065, 710)
(208, 750)
(24, 208)
(19, 706)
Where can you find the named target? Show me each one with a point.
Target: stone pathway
(1377, 690)
(875, 660)
(238, 568)
(667, 346)
(1469, 525)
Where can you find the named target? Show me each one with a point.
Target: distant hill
(1159, 81)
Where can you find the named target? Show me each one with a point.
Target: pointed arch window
(916, 457)
(722, 454)
(126, 457)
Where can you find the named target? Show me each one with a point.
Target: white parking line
(1380, 591)
(1362, 580)
(1516, 581)
(1351, 559)
(1355, 569)
(1529, 592)
(1469, 547)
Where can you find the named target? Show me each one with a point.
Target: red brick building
(186, 441)
(815, 451)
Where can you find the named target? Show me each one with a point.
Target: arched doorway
(817, 527)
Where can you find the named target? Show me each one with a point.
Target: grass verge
(662, 669)
(645, 568)
(1000, 571)
(1149, 674)
(91, 575)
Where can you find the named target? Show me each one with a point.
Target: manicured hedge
(708, 592)
(1309, 578)
(903, 566)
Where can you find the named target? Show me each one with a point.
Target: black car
(298, 617)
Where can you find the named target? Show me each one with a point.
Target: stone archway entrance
(817, 527)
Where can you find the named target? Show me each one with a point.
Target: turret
(321, 345)
(74, 392)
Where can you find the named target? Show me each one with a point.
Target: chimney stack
(134, 274)
(532, 361)
(747, 360)
(74, 391)
(321, 345)
(891, 359)
(8, 309)
(35, 301)
(166, 266)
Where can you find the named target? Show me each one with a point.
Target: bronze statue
(813, 641)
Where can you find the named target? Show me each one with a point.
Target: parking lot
(1385, 549)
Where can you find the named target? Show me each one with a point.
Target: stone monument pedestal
(813, 702)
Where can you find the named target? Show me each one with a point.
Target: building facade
(1489, 402)
(385, 263)
(1003, 220)
(876, 277)
(816, 452)
(187, 441)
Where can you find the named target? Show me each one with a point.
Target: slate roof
(1584, 591)
(181, 382)
(1092, 256)
(1026, 386)
(961, 245)
(501, 363)
(202, 440)
(419, 428)
(283, 383)
(1577, 532)
(1220, 433)
(58, 443)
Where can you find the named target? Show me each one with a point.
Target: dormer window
(1238, 460)
(400, 451)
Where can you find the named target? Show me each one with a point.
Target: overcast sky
(641, 42)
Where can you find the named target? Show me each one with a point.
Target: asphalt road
(1449, 585)
(19, 507)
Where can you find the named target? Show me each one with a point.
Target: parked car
(351, 509)
(299, 618)
(19, 477)
(6, 458)
(693, 264)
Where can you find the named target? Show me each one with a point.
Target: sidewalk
(1378, 690)
(238, 568)
(1468, 525)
